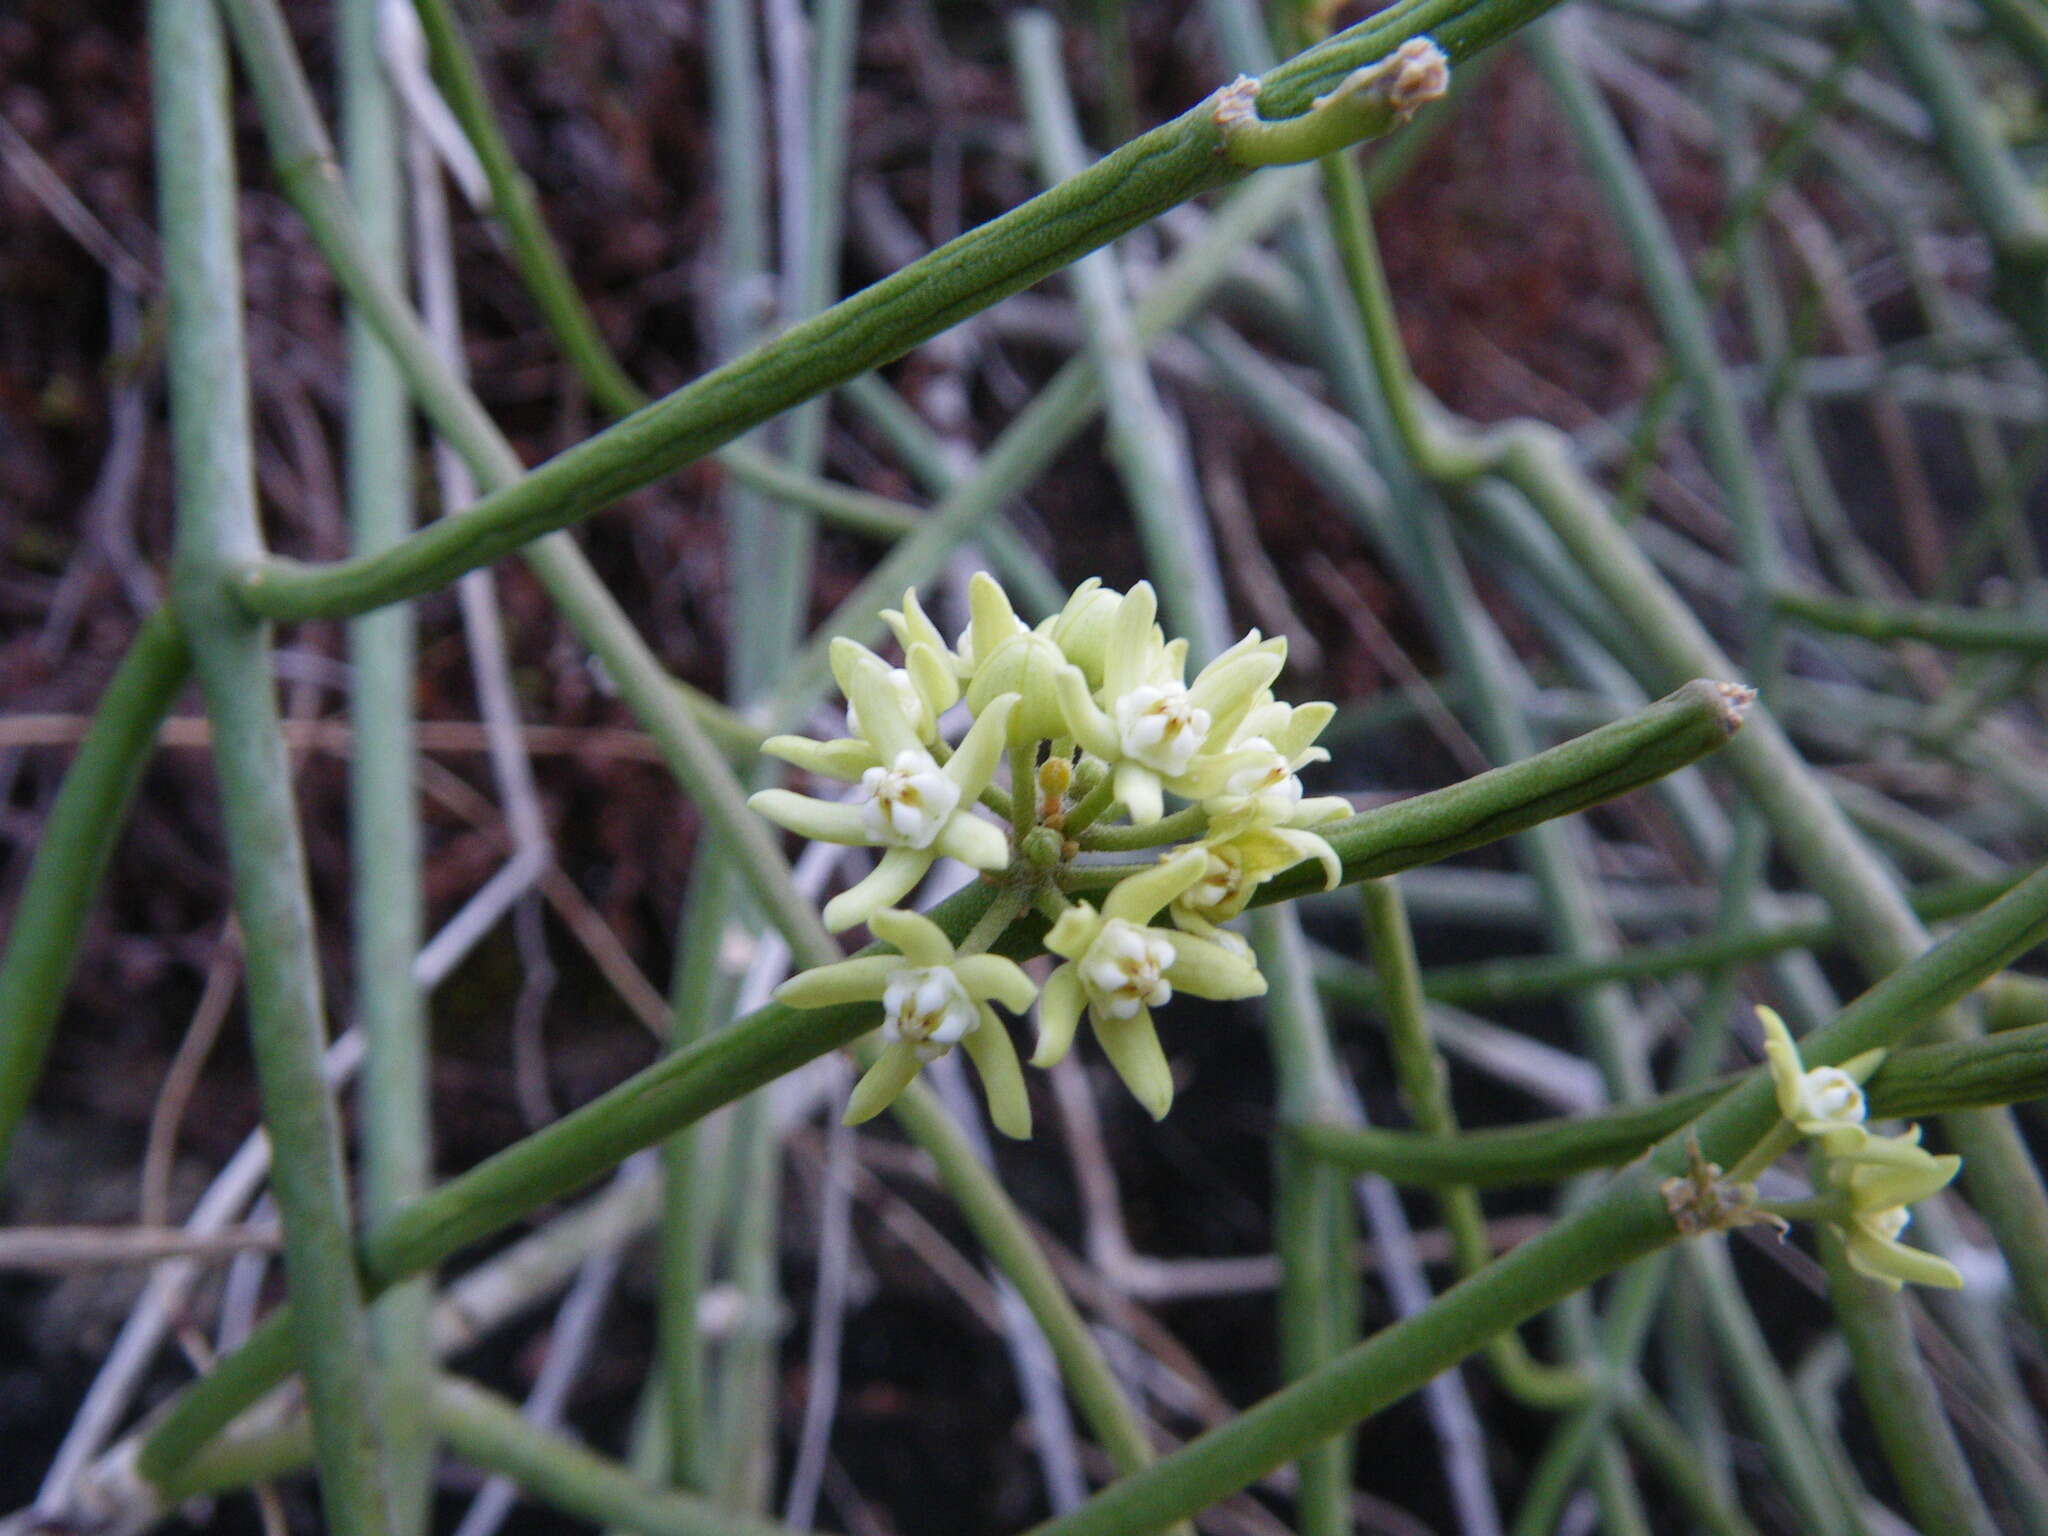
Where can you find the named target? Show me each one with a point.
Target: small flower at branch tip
(933, 998)
(1881, 1175)
(1820, 1101)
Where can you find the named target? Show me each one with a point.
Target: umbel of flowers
(1101, 725)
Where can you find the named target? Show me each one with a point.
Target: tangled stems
(1173, 163)
(1924, 1080)
(682, 1088)
(1624, 1222)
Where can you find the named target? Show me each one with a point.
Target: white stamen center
(1125, 969)
(1830, 1094)
(906, 804)
(929, 1008)
(1160, 727)
(1269, 782)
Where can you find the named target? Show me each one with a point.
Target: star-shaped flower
(933, 998)
(909, 803)
(1120, 968)
(1144, 720)
(1826, 1102)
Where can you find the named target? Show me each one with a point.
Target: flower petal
(1074, 931)
(1130, 642)
(1309, 846)
(822, 821)
(1226, 689)
(993, 976)
(864, 679)
(994, 1056)
(934, 676)
(846, 758)
(894, 1070)
(1059, 1014)
(1138, 898)
(1204, 968)
(862, 979)
(1783, 1056)
(1138, 787)
(1895, 1264)
(993, 619)
(1093, 729)
(974, 842)
(1132, 1046)
(973, 763)
(886, 884)
(917, 938)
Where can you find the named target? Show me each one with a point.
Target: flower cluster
(1880, 1176)
(1095, 711)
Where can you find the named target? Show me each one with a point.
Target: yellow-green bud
(1027, 665)
(1043, 848)
(1082, 629)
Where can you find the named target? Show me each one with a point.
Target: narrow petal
(994, 620)
(846, 758)
(1094, 730)
(1895, 1263)
(1309, 846)
(859, 980)
(1882, 1188)
(1304, 724)
(973, 763)
(934, 676)
(894, 1070)
(917, 938)
(822, 821)
(976, 843)
(1318, 809)
(1130, 641)
(994, 1055)
(1137, 898)
(993, 976)
(1783, 1056)
(1132, 1046)
(886, 884)
(1202, 968)
(1226, 689)
(1138, 787)
(1059, 1014)
(1075, 931)
(864, 679)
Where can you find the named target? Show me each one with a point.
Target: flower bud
(1027, 665)
(1082, 629)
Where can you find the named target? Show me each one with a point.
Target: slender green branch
(485, 1430)
(216, 529)
(1420, 1072)
(683, 1087)
(1900, 1395)
(1588, 770)
(1149, 175)
(78, 839)
(384, 813)
(1525, 978)
(1957, 629)
(1625, 1221)
(516, 208)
